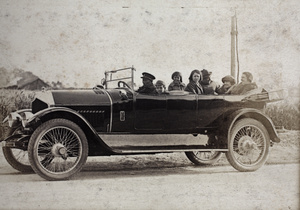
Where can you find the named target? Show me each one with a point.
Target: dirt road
(163, 187)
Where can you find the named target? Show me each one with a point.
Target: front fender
(40, 116)
(233, 117)
(96, 144)
(18, 116)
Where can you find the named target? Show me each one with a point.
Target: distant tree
(4, 79)
(57, 85)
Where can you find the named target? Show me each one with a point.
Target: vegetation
(285, 114)
(12, 100)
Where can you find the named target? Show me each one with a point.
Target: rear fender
(231, 119)
(96, 145)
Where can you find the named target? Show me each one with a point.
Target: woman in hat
(194, 86)
(244, 86)
(228, 81)
(177, 83)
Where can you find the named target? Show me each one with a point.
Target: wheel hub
(246, 145)
(59, 150)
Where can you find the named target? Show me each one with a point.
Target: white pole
(233, 46)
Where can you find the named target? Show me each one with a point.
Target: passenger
(228, 81)
(148, 86)
(209, 87)
(244, 86)
(177, 83)
(194, 85)
(160, 86)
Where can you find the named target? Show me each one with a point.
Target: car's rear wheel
(58, 149)
(204, 158)
(248, 145)
(17, 158)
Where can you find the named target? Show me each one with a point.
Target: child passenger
(177, 83)
(160, 86)
(194, 85)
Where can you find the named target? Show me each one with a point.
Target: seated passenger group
(199, 83)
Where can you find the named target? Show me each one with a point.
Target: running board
(161, 149)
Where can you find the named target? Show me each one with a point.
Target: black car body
(63, 127)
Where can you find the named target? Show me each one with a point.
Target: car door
(150, 112)
(210, 107)
(182, 113)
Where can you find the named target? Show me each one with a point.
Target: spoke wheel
(17, 158)
(58, 149)
(204, 158)
(248, 145)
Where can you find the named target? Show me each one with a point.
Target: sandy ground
(271, 187)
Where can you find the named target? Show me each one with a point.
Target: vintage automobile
(64, 127)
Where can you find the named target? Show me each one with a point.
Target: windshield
(112, 78)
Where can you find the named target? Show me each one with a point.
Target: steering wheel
(124, 84)
(97, 87)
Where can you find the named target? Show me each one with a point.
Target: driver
(148, 86)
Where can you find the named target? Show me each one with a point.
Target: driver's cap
(148, 76)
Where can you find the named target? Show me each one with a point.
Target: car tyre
(204, 158)
(248, 145)
(57, 149)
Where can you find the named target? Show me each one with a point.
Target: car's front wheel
(57, 149)
(248, 145)
(204, 158)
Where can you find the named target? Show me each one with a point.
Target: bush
(285, 113)
(12, 100)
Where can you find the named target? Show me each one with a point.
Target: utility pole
(233, 45)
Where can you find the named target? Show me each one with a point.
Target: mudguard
(96, 145)
(16, 117)
(230, 119)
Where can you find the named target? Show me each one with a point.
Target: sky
(75, 42)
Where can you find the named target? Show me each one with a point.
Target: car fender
(230, 119)
(14, 118)
(96, 145)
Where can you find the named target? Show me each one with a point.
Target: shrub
(12, 100)
(285, 113)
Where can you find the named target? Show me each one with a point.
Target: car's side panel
(208, 109)
(150, 112)
(211, 107)
(182, 113)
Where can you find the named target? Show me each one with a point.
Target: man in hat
(209, 87)
(148, 86)
(228, 82)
